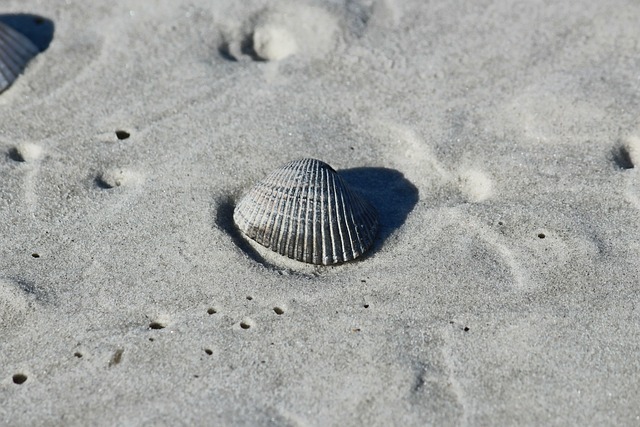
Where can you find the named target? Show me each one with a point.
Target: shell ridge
(22, 44)
(292, 237)
(252, 216)
(311, 254)
(239, 213)
(333, 217)
(7, 75)
(301, 223)
(285, 232)
(267, 220)
(348, 250)
(304, 220)
(245, 212)
(342, 228)
(5, 39)
(275, 217)
(269, 216)
(357, 205)
(296, 235)
(17, 48)
(260, 200)
(251, 207)
(8, 55)
(282, 218)
(261, 221)
(279, 219)
(346, 217)
(367, 222)
(356, 224)
(16, 51)
(325, 212)
(320, 211)
(334, 220)
(273, 222)
(8, 61)
(370, 222)
(339, 184)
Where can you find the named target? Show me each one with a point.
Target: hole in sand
(247, 48)
(466, 329)
(78, 354)
(208, 351)
(249, 298)
(35, 255)
(622, 158)
(366, 306)
(156, 325)
(245, 325)
(117, 357)
(122, 134)
(19, 378)
(16, 155)
(541, 236)
(278, 310)
(211, 310)
(101, 182)
(225, 51)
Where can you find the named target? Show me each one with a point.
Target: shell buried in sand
(15, 53)
(304, 210)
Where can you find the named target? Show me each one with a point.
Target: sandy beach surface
(498, 140)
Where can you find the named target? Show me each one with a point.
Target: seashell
(304, 210)
(16, 51)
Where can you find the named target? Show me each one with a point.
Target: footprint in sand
(117, 177)
(278, 32)
(25, 152)
(530, 249)
(542, 113)
(289, 28)
(466, 182)
(17, 299)
(28, 155)
(474, 184)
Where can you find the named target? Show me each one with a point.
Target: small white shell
(16, 51)
(305, 211)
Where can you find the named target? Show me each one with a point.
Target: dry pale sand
(497, 140)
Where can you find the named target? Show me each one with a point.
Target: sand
(499, 141)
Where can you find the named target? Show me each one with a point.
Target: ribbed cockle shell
(304, 210)
(16, 51)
